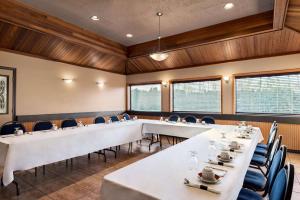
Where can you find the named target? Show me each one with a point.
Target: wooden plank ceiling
(255, 46)
(293, 15)
(31, 32)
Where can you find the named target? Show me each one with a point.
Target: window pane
(203, 96)
(268, 94)
(146, 97)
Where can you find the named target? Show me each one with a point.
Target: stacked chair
(274, 179)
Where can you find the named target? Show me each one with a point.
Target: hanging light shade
(159, 56)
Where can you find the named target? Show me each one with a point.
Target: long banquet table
(161, 175)
(44, 147)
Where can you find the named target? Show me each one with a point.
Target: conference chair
(265, 146)
(10, 128)
(114, 118)
(173, 118)
(259, 161)
(67, 123)
(264, 149)
(126, 116)
(190, 119)
(99, 120)
(42, 126)
(281, 189)
(7, 129)
(258, 182)
(208, 120)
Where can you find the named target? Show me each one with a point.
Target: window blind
(145, 97)
(268, 94)
(197, 96)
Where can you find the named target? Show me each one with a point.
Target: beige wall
(40, 89)
(224, 69)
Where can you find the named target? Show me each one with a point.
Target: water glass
(193, 161)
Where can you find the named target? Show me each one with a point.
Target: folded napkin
(199, 186)
(235, 150)
(244, 136)
(220, 163)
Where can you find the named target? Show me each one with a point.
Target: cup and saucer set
(207, 175)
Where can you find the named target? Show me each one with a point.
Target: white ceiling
(138, 17)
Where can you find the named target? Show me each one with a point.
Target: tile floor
(83, 179)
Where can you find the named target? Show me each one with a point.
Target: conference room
(153, 99)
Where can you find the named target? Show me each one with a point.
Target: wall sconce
(165, 83)
(226, 79)
(68, 81)
(100, 84)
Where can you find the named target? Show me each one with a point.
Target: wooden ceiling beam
(22, 15)
(293, 15)
(227, 30)
(280, 10)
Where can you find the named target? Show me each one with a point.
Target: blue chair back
(114, 118)
(274, 168)
(290, 170)
(68, 123)
(99, 120)
(126, 116)
(190, 119)
(41, 126)
(10, 127)
(173, 118)
(208, 120)
(283, 184)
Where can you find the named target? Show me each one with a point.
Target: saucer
(225, 160)
(214, 181)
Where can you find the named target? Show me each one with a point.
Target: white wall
(223, 69)
(40, 89)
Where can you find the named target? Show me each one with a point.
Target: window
(197, 96)
(268, 94)
(145, 97)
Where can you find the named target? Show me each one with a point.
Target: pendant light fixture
(159, 56)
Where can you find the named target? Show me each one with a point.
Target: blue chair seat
(261, 151)
(258, 160)
(246, 194)
(261, 145)
(254, 180)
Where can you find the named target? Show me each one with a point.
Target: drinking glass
(16, 130)
(212, 150)
(193, 161)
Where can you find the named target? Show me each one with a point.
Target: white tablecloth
(41, 148)
(161, 175)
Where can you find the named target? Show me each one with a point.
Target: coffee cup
(203, 122)
(183, 121)
(234, 144)
(20, 132)
(225, 155)
(208, 173)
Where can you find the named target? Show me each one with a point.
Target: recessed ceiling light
(95, 18)
(228, 6)
(129, 35)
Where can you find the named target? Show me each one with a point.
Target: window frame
(141, 84)
(260, 74)
(213, 78)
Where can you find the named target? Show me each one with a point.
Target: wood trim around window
(194, 79)
(128, 92)
(258, 74)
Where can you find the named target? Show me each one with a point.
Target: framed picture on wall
(3, 94)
